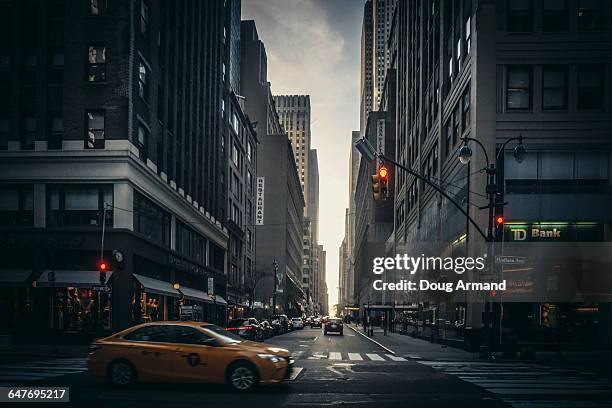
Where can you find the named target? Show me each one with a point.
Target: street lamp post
(275, 266)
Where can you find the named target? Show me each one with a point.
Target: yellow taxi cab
(187, 352)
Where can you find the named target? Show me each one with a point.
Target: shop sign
(380, 137)
(211, 286)
(185, 266)
(554, 232)
(259, 201)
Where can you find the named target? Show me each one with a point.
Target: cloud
(313, 48)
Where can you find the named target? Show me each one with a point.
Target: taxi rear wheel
(122, 373)
(242, 377)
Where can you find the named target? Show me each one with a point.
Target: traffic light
(498, 225)
(103, 268)
(380, 183)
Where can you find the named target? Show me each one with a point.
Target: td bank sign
(561, 232)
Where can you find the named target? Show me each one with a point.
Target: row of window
(589, 81)
(589, 15)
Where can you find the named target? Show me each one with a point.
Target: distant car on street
(333, 325)
(187, 352)
(316, 322)
(267, 329)
(283, 320)
(297, 323)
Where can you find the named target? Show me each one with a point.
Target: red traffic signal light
(102, 266)
(499, 220)
(383, 173)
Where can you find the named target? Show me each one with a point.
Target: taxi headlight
(270, 357)
(277, 350)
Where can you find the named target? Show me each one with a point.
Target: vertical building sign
(380, 138)
(259, 202)
(211, 286)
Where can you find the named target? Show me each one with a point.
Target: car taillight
(245, 328)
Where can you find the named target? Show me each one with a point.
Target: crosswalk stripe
(375, 357)
(395, 358)
(355, 357)
(335, 356)
(36, 370)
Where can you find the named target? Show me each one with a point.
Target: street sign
(510, 260)
(211, 286)
(102, 288)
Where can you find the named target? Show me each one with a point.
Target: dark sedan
(248, 329)
(333, 325)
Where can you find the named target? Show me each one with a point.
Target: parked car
(267, 329)
(276, 327)
(248, 329)
(333, 325)
(186, 352)
(290, 326)
(297, 323)
(308, 321)
(316, 322)
(283, 320)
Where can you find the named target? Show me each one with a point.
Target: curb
(388, 350)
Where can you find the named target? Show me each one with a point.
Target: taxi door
(151, 352)
(198, 357)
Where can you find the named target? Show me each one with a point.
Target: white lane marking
(355, 356)
(395, 358)
(294, 373)
(375, 357)
(334, 355)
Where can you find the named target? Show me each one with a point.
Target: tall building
(279, 206)
(494, 70)
(375, 29)
(117, 136)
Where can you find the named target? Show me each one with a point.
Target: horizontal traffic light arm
(438, 189)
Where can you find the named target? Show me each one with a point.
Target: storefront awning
(157, 286)
(14, 277)
(75, 279)
(195, 294)
(219, 300)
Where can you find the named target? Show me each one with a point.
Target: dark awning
(156, 286)
(194, 294)
(76, 279)
(14, 277)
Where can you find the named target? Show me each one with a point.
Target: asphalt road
(331, 370)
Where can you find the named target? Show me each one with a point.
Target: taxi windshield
(222, 334)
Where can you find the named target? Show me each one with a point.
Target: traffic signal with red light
(103, 268)
(380, 182)
(498, 225)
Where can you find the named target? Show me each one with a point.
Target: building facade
(279, 207)
(110, 116)
(493, 70)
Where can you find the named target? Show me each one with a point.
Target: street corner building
(123, 142)
(493, 71)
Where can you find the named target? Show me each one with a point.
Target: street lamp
(465, 154)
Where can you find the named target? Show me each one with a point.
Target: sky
(313, 48)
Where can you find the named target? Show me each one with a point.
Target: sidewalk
(406, 345)
(33, 352)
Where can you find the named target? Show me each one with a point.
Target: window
(590, 87)
(466, 110)
(94, 128)
(161, 103)
(519, 16)
(144, 18)
(448, 137)
(97, 7)
(56, 131)
(518, 95)
(554, 16)
(16, 205)
(30, 66)
(28, 133)
(189, 242)
(468, 35)
(4, 133)
(79, 205)
(56, 67)
(189, 335)
(143, 81)
(554, 87)
(249, 151)
(456, 124)
(155, 333)
(142, 140)
(590, 15)
(96, 63)
(151, 220)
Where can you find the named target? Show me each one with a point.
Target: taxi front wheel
(122, 373)
(242, 377)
